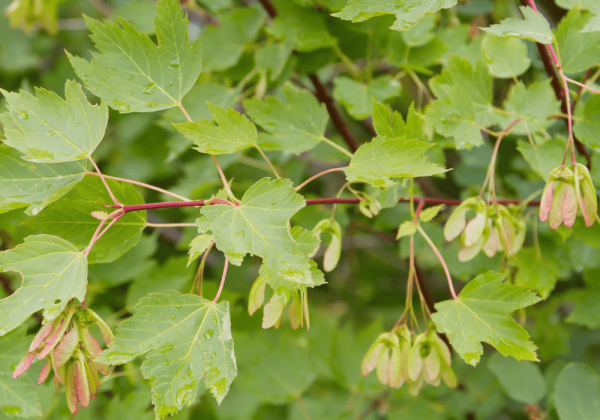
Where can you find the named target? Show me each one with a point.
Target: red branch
(309, 202)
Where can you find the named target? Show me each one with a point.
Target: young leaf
(481, 313)
(189, 339)
(71, 219)
(505, 57)
(393, 125)
(334, 249)
(588, 129)
(197, 247)
(407, 12)
(406, 229)
(47, 128)
(234, 132)
(25, 184)
(295, 126)
(463, 105)
(18, 397)
(382, 158)
(53, 272)
(358, 98)
(578, 50)
(259, 226)
(430, 213)
(534, 28)
(133, 74)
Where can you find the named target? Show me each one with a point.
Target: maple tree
(302, 209)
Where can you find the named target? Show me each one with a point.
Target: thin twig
(112, 196)
(142, 184)
(439, 255)
(268, 161)
(222, 281)
(299, 187)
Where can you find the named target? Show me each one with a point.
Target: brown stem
(269, 8)
(342, 127)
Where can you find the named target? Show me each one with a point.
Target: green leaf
(534, 28)
(481, 314)
(393, 125)
(593, 25)
(407, 12)
(588, 130)
(259, 226)
(358, 97)
(47, 128)
(534, 104)
(189, 339)
(53, 272)
(307, 244)
(422, 32)
(406, 229)
(430, 213)
(271, 59)
(544, 158)
(382, 158)
(18, 397)
(578, 51)
(576, 394)
(586, 311)
(234, 132)
(133, 74)
(71, 219)
(582, 4)
(464, 102)
(140, 13)
(197, 247)
(295, 125)
(505, 57)
(536, 273)
(224, 43)
(521, 380)
(25, 184)
(304, 27)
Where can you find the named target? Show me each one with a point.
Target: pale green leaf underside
(294, 126)
(53, 271)
(482, 314)
(70, 219)
(407, 12)
(47, 128)
(188, 337)
(18, 397)
(133, 74)
(576, 393)
(259, 226)
(534, 28)
(34, 185)
(307, 243)
(382, 158)
(234, 132)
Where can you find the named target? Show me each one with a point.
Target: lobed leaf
(53, 272)
(46, 128)
(534, 28)
(481, 314)
(132, 73)
(187, 338)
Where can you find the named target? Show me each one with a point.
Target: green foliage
(53, 272)
(48, 129)
(190, 339)
(376, 148)
(481, 314)
(132, 73)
